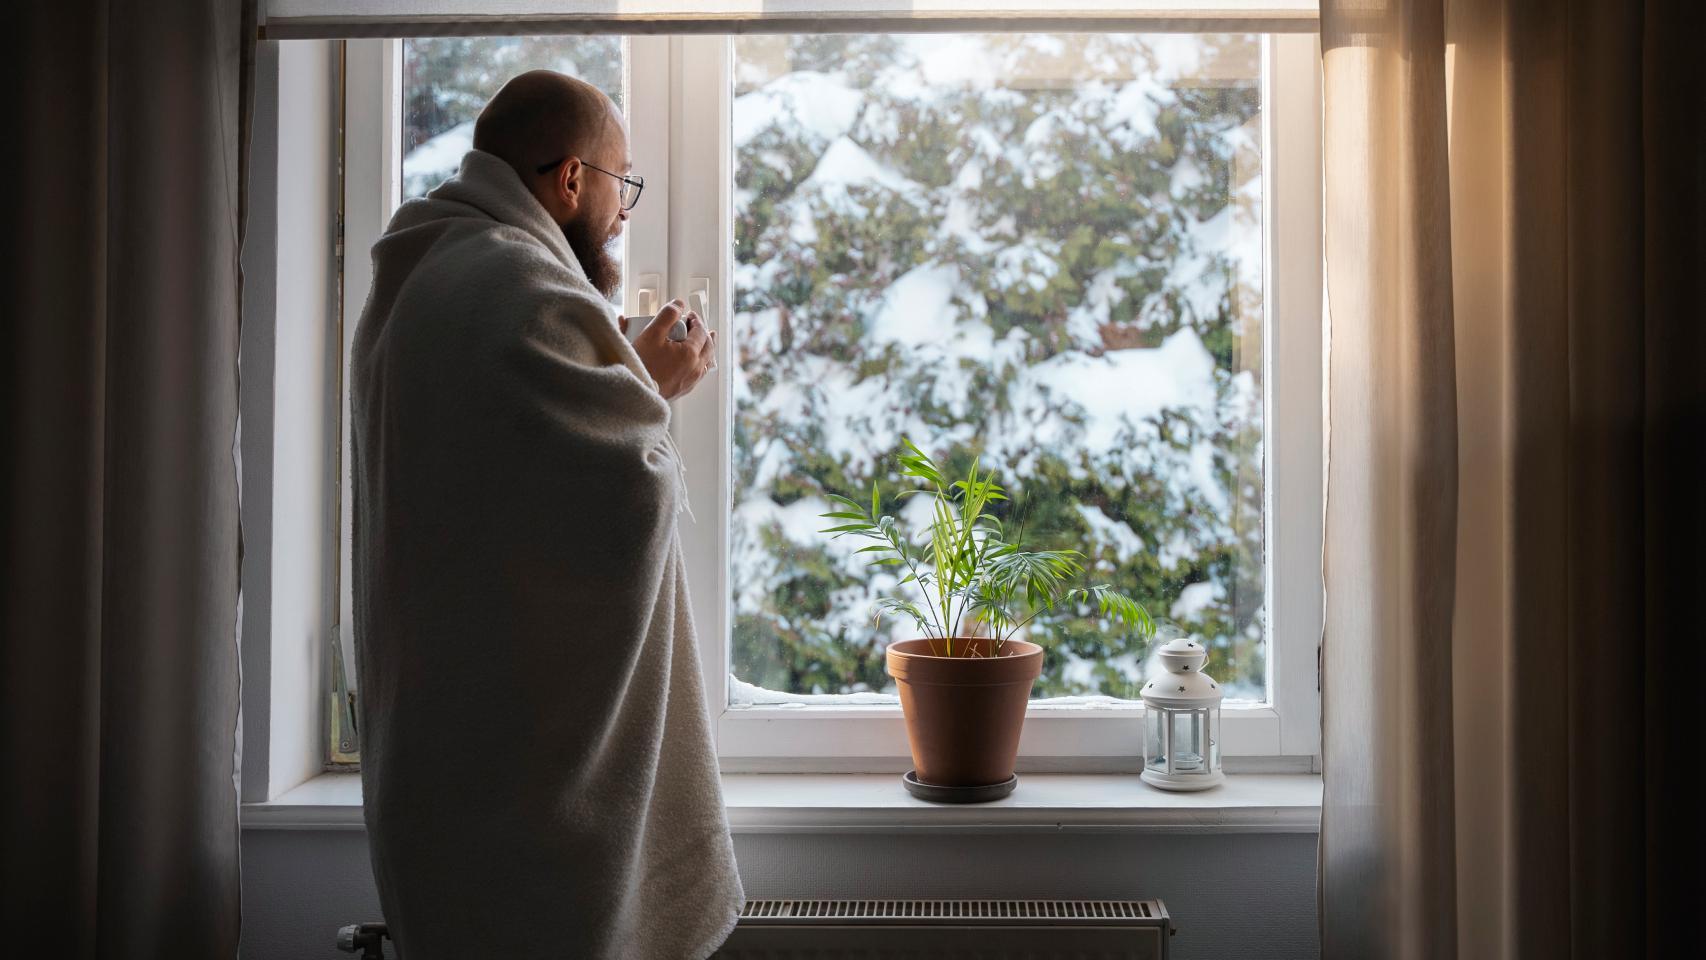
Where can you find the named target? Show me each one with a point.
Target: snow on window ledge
(743, 695)
(747, 696)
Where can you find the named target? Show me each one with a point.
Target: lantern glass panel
(1154, 758)
(1190, 739)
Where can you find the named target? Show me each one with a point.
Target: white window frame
(679, 94)
(372, 189)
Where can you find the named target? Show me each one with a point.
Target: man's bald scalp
(541, 116)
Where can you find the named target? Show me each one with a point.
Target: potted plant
(965, 683)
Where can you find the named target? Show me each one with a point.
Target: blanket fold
(537, 763)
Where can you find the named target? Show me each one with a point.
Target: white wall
(1230, 895)
(289, 370)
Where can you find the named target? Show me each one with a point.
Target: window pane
(1040, 250)
(447, 81)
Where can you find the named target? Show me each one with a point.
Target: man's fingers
(666, 317)
(708, 350)
(697, 332)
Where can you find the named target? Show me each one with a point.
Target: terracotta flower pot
(964, 712)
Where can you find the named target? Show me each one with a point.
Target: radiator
(950, 930)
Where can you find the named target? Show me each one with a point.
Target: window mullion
(372, 184)
(699, 231)
(1292, 259)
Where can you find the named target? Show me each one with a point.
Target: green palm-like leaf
(1111, 603)
(1042, 575)
(897, 605)
(847, 528)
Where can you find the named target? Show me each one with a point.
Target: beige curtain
(1512, 747)
(119, 536)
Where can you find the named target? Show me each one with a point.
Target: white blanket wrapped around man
(536, 756)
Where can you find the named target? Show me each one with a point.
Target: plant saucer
(936, 794)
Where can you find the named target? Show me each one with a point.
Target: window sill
(876, 803)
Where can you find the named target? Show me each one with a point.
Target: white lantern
(1181, 723)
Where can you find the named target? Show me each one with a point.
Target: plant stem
(1021, 623)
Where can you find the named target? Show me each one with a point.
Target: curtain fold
(118, 661)
(1509, 746)
(1387, 825)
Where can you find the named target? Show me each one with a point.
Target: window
(1041, 251)
(1091, 260)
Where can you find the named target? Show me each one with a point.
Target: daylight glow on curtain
(288, 19)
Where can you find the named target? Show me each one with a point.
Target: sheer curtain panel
(1517, 324)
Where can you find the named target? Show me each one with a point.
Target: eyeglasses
(631, 186)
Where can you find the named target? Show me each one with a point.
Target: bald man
(537, 765)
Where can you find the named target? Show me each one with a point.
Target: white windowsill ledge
(876, 803)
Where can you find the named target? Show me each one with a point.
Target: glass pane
(1155, 756)
(1188, 734)
(447, 81)
(1039, 250)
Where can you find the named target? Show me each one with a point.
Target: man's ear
(567, 184)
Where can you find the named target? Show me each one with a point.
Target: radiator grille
(953, 911)
(950, 930)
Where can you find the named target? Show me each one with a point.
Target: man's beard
(603, 271)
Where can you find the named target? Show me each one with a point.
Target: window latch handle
(699, 298)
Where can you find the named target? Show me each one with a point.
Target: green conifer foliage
(984, 243)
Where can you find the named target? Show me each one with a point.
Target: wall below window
(1230, 895)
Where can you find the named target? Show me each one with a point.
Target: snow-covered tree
(1041, 251)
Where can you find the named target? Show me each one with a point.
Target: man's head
(541, 118)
